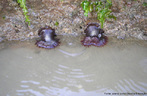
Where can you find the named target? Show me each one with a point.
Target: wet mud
(131, 19)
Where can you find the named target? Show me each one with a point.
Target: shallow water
(73, 70)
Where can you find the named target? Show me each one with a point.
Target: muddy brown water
(73, 70)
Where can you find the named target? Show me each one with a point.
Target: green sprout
(87, 7)
(56, 23)
(4, 17)
(103, 9)
(25, 10)
(144, 4)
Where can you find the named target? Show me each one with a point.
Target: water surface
(73, 70)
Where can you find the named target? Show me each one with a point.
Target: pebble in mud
(1, 39)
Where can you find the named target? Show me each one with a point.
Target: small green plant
(103, 9)
(25, 10)
(144, 4)
(56, 23)
(4, 17)
(87, 7)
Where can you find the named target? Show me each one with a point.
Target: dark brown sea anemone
(48, 38)
(94, 35)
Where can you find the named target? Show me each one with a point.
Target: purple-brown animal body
(48, 38)
(94, 35)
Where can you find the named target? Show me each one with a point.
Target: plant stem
(25, 10)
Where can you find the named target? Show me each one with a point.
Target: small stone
(30, 34)
(66, 30)
(121, 36)
(1, 7)
(1, 39)
(77, 20)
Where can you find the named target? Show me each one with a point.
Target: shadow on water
(73, 70)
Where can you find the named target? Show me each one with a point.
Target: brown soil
(131, 19)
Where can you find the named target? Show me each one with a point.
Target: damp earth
(67, 17)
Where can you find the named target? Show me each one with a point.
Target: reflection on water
(26, 70)
(72, 46)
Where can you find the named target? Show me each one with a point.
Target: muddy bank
(131, 19)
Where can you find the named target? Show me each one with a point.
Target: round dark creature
(94, 35)
(48, 40)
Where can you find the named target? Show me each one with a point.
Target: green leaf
(86, 14)
(109, 1)
(102, 8)
(57, 23)
(91, 8)
(25, 10)
(112, 17)
(87, 7)
(144, 4)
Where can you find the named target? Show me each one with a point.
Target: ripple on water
(71, 46)
(95, 72)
